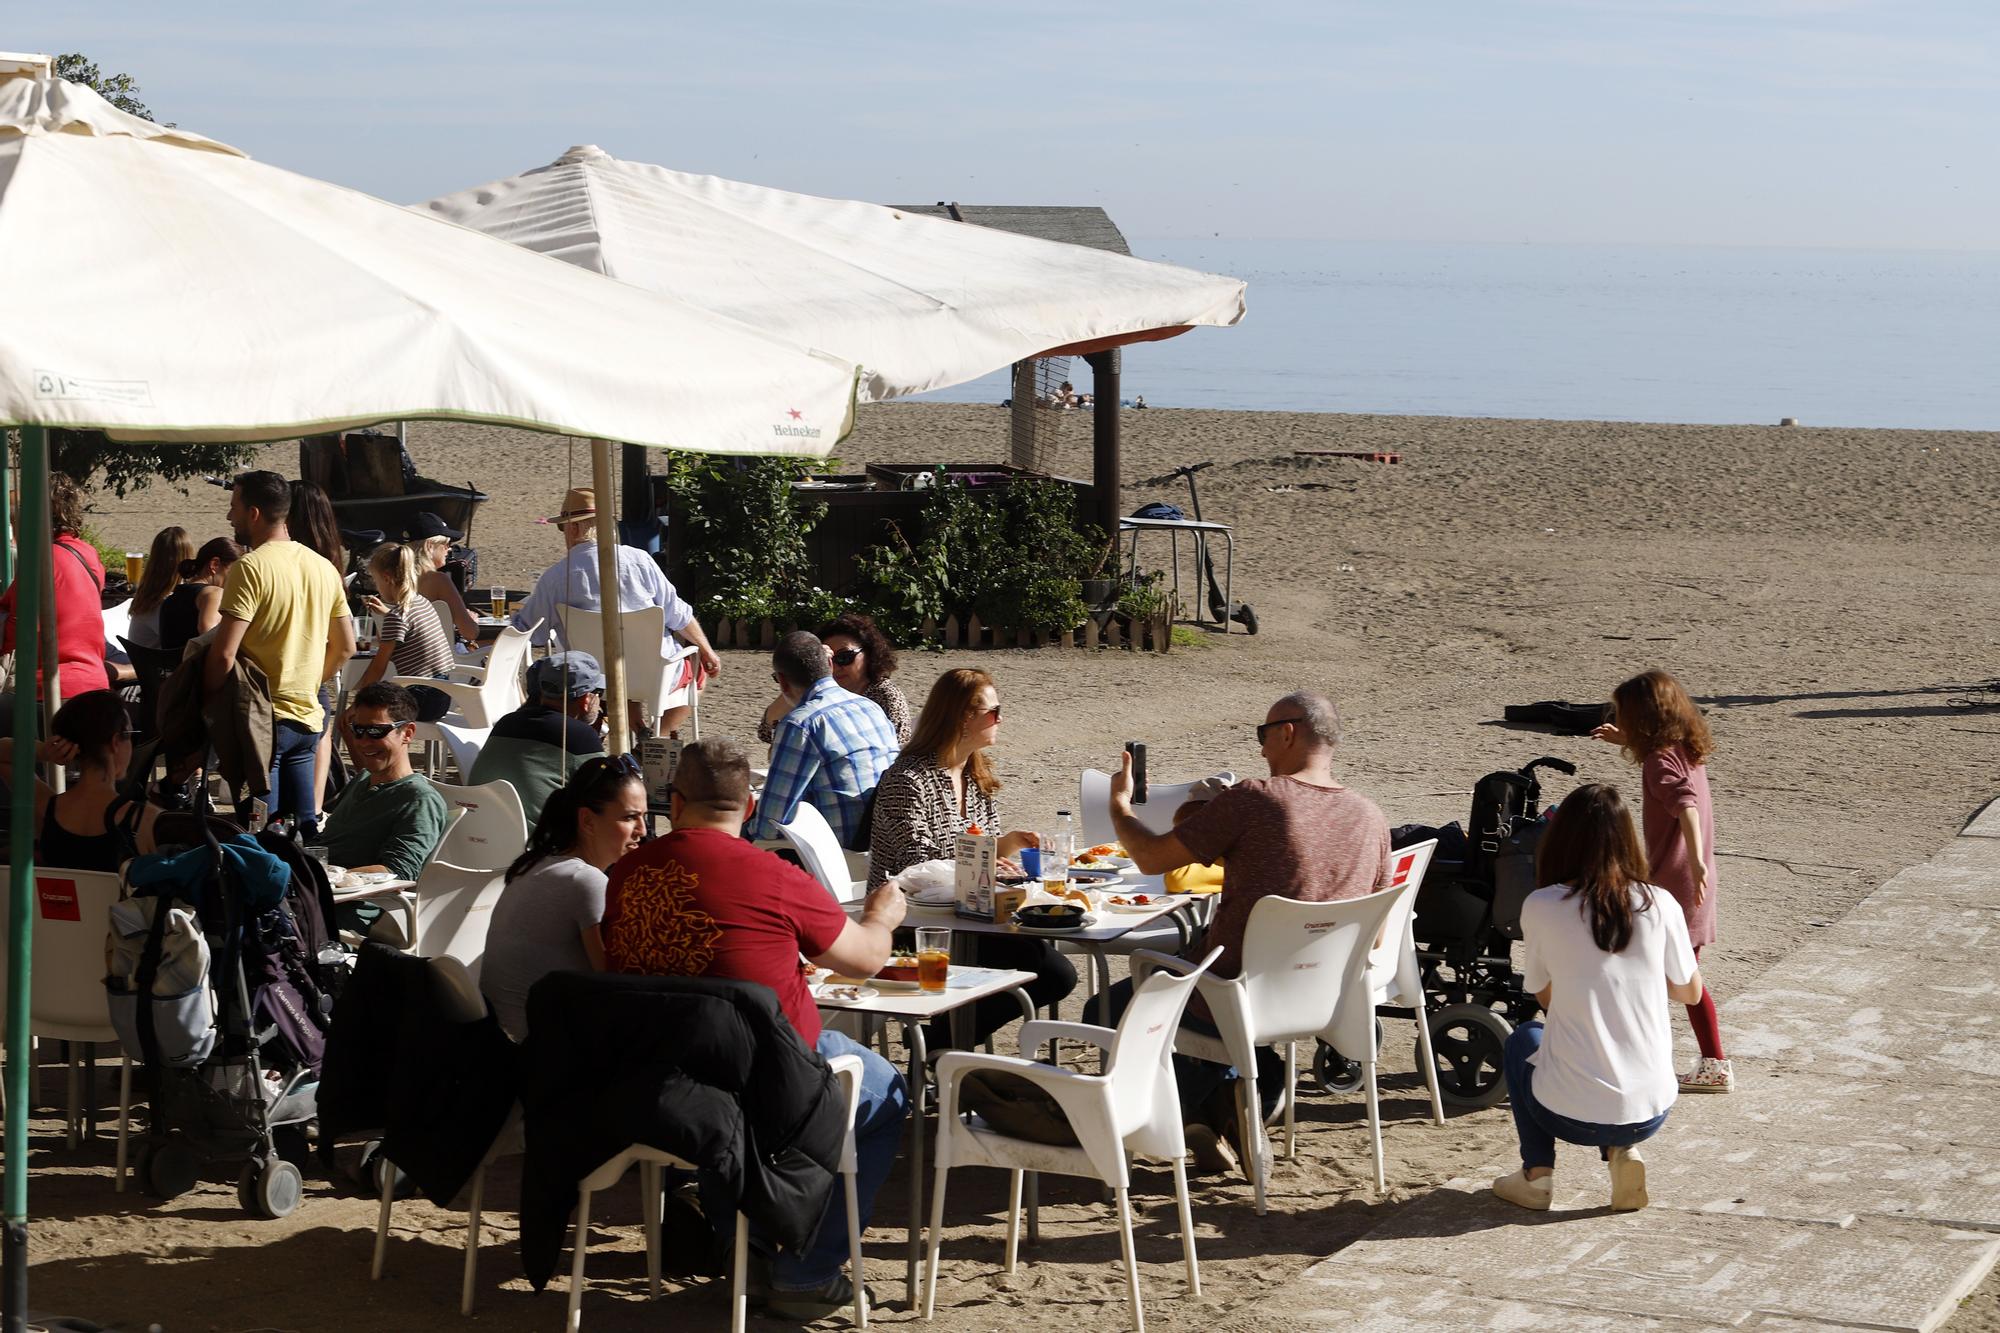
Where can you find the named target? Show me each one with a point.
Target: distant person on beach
(572, 581)
(283, 608)
(1299, 834)
(1139, 403)
(829, 750)
(1598, 942)
(1658, 726)
(540, 745)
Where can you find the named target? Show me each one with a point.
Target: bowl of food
(1053, 916)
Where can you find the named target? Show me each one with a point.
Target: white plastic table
(914, 1008)
(1201, 530)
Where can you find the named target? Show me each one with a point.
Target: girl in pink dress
(1662, 731)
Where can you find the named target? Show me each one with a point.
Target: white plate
(830, 994)
(1108, 863)
(1159, 901)
(365, 879)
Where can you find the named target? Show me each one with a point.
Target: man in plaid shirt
(831, 749)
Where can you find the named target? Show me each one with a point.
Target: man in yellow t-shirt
(283, 607)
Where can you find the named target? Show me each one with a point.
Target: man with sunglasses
(1299, 834)
(390, 817)
(831, 749)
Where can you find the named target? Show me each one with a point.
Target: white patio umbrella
(920, 302)
(159, 285)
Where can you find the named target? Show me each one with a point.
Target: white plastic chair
(1304, 976)
(653, 681)
(1131, 1109)
(1394, 976)
(66, 980)
(492, 831)
(650, 1161)
(820, 852)
(480, 696)
(453, 909)
(1157, 815)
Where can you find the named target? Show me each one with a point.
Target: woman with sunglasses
(547, 917)
(93, 732)
(941, 785)
(863, 660)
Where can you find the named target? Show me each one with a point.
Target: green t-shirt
(397, 824)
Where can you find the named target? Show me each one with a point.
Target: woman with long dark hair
(1603, 951)
(863, 661)
(547, 917)
(195, 607)
(170, 547)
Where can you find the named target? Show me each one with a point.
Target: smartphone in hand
(1137, 749)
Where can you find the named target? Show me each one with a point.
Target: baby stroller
(1468, 915)
(225, 941)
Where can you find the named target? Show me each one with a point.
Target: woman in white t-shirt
(1604, 952)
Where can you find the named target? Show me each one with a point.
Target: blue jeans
(292, 752)
(1538, 1127)
(878, 1130)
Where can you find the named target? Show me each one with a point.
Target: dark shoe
(1210, 1154)
(835, 1298)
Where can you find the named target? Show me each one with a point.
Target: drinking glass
(135, 567)
(364, 633)
(933, 958)
(496, 598)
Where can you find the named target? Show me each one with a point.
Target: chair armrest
(847, 1070)
(1054, 1079)
(1145, 961)
(1049, 1029)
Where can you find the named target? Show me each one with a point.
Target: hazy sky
(1764, 122)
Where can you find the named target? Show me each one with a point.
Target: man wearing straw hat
(572, 581)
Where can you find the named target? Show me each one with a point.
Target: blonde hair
(394, 566)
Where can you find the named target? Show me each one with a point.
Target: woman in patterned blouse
(941, 784)
(863, 661)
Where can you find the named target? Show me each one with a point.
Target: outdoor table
(402, 890)
(914, 1008)
(1201, 530)
(1110, 925)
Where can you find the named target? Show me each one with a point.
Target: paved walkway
(1853, 1180)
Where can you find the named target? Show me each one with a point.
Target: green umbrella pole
(34, 550)
(6, 511)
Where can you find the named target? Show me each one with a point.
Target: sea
(1693, 334)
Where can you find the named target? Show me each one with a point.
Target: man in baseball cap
(572, 581)
(538, 745)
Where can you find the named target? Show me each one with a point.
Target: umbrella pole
(34, 558)
(6, 512)
(608, 600)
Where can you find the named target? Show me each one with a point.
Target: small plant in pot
(1099, 592)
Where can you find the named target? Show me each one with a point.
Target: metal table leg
(913, 1041)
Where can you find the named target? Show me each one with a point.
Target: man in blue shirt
(831, 749)
(572, 581)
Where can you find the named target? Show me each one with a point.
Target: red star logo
(796, 414)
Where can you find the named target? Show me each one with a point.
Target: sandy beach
(1829, 595)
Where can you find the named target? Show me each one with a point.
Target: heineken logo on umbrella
(799, 431)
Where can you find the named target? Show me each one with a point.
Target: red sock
(1707, 1024)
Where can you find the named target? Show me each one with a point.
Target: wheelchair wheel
(1469, 1041)
(1335, 1072)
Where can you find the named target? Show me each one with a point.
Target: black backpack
(293, 988)
(1503, 833)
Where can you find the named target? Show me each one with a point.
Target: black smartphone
(1137, 749)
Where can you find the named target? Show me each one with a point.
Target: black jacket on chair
(707, 1070)
(437, 1090)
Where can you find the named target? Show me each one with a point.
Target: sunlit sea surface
(1616, 333)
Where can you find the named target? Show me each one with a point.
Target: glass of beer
(933, 959)
(135, 567)
(496, 598)
(1055, 864)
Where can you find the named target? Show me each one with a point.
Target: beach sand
(1828, 594)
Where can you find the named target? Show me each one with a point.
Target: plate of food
(365, 879)
(899, 973)
(1060, 917)
(1085, 875)
(1135, 902)
(1104, 856)
(830, 992)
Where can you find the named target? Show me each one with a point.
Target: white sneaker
(1628, 1180)
(1709, 1076)
(1518, 1189)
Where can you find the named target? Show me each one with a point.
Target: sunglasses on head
(374, 731)
(845, 656)
(611, 763)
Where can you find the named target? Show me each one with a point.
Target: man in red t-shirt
(701, 902)
(1298, 834)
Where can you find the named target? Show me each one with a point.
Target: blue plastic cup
(1031, 861)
